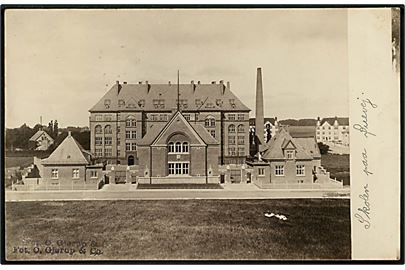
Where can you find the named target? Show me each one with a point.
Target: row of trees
(19, 137)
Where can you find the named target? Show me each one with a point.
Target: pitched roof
(153, 131)
(69, 152)
(301, 131)
(39, 134)
(306, 148)
(344, 121)
(203, 97)
(157, 129)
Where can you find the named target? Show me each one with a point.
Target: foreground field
(179, 229)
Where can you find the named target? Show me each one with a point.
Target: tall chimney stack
(259, 123)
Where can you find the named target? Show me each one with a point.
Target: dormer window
(107, 103)
(289, 154)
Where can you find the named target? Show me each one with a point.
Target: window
(154, 117)
(171, 168)
(279, 170)
(75, 173)
(130, 122)
(107, 129)
(261, 171)
(231, 117)
(241, 129)
(108, 152)
(98, 152)
(128, 146)
(118, 153)
(93, 174)
(121, 103)
(176, 168)
(231, 140)
(185, 147)
(171, 147)
(98, 129)
(118, 129)
(118, 141)
(241, 151)
(159, 103)
(289, 154)
(187, 117)
(133, 146)
(241, 139)
(54, 174)
(210, 122)
(130, 134)
(185, 168)
(231, 151)
(108, 140)
(231, 129)
(178, 147)
(241, 116)
(300, 170)
(107, 117)
(212, 132)
(163, 117)
(99, 117)
(98, 140)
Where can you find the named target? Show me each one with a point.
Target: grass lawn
(21, 162)
(183, 229)
(338, 166)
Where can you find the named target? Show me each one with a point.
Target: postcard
(201, 134)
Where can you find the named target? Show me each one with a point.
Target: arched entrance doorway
(131, 160)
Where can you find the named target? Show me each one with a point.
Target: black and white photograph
(201, 133)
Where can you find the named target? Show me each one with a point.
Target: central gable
(178, 125)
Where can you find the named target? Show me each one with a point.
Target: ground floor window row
(179, 168)
(75, 173)
(279, 170)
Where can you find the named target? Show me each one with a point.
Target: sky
(59, 63)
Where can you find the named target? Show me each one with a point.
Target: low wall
(331, 185)
(179, 180)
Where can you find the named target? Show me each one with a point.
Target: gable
(178, 125)
(288, 145)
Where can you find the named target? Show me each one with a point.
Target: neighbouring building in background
(42, 140)
(271, 126)
(69, 167)
(127, 113)
(178, 151)
(334, 130)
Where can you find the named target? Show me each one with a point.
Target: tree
(55, 129)
(50, 128)
(323, 148)
(268, 134)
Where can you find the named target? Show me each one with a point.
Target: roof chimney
(221, 82)
(118, 86)
(170, 83)
(228, 86)
(69, 133)
(193, 86)
(213, 82)
(125, 82)
(198, 82)
(147, 86)
(140, 82)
